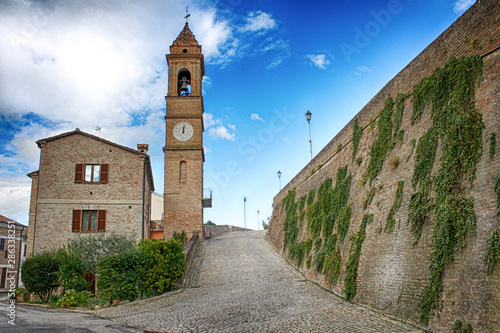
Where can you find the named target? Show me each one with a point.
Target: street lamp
(245, 212)
(308, 118)
(279, 179)
(258, 219)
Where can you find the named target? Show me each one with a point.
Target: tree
(209, 223)
(39, 274)
(265, 225)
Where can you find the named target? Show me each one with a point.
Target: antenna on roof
(187, 14)
(99, 130)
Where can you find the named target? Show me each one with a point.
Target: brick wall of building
(392, 273)
(55, 194)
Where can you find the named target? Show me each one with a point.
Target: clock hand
(183, 127)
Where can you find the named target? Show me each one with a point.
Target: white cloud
(461, 6)
(221, 132)
(319, 60)
(286, 140)
(258, 20)
(255, 116)
(361, 69)
(216, 128)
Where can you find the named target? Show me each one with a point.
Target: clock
(183, 131)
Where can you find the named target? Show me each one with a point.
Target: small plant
(457, 327)
(180, 236)
(394, 162)
(492, 251)
(357, 132)
(74, 298)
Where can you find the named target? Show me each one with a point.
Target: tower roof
(186, 37)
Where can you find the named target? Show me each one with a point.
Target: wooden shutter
(79, 173)
(104, 173)
(76, 220)
(101, 220)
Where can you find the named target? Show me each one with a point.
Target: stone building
(12, 252)
(86, 184)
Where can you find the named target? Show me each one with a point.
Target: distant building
(12, 252)
(87, 184)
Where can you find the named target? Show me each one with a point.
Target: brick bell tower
(184, 155)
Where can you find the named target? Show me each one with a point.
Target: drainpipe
(143, 193)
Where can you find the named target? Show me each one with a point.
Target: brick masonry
(392, 273)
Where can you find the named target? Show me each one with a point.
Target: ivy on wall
(357, 132)
(350, 287)
(383, 143)
(398, 198)
(492, 251)
(458, 125)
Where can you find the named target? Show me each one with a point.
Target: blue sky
(69, 64)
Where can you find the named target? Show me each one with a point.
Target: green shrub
(120, 275)
(71, 269)
(74, 298)
(164, 262)
(39, 275)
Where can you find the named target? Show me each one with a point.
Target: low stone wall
(214, 230)
(189, 251)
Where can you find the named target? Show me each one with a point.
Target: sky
(67, 64)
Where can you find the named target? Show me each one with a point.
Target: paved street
(243, 285)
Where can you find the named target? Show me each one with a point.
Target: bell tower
(184, 155)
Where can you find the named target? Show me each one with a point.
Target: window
(91, 173)
(89, 220)
(182, 172)
(2, 244)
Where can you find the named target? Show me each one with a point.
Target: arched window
(184, 83)
(182, 172)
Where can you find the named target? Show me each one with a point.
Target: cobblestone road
(241, 284)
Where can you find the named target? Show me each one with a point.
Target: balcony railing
(207, 198)
(157, 224)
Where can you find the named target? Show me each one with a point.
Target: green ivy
(413, 142)
(426, 154)
(421, 205)
(290, 223)
(492, 251)
(398, 198)
(383, 143)
(333, 264)
(456, 122)
(357, 132)
(352, 263)
(344, 219)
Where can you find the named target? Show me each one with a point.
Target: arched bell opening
(184, 83)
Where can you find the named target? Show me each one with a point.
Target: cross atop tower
(187, 14)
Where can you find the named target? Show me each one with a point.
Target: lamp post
(245, 212)
(308, 118)
(258, 219)
(279, 179)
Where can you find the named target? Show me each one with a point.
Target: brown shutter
(104, 173)
(79, 173)
(76, 220)
(101, 220)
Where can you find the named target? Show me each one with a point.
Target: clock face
(183, 131)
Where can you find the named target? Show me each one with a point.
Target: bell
(184, 85)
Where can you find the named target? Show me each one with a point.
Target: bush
(164, 263)
(120, 275)
(39, 275)
(72, 269)
(74, 298)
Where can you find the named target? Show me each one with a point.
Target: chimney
(143, 147)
